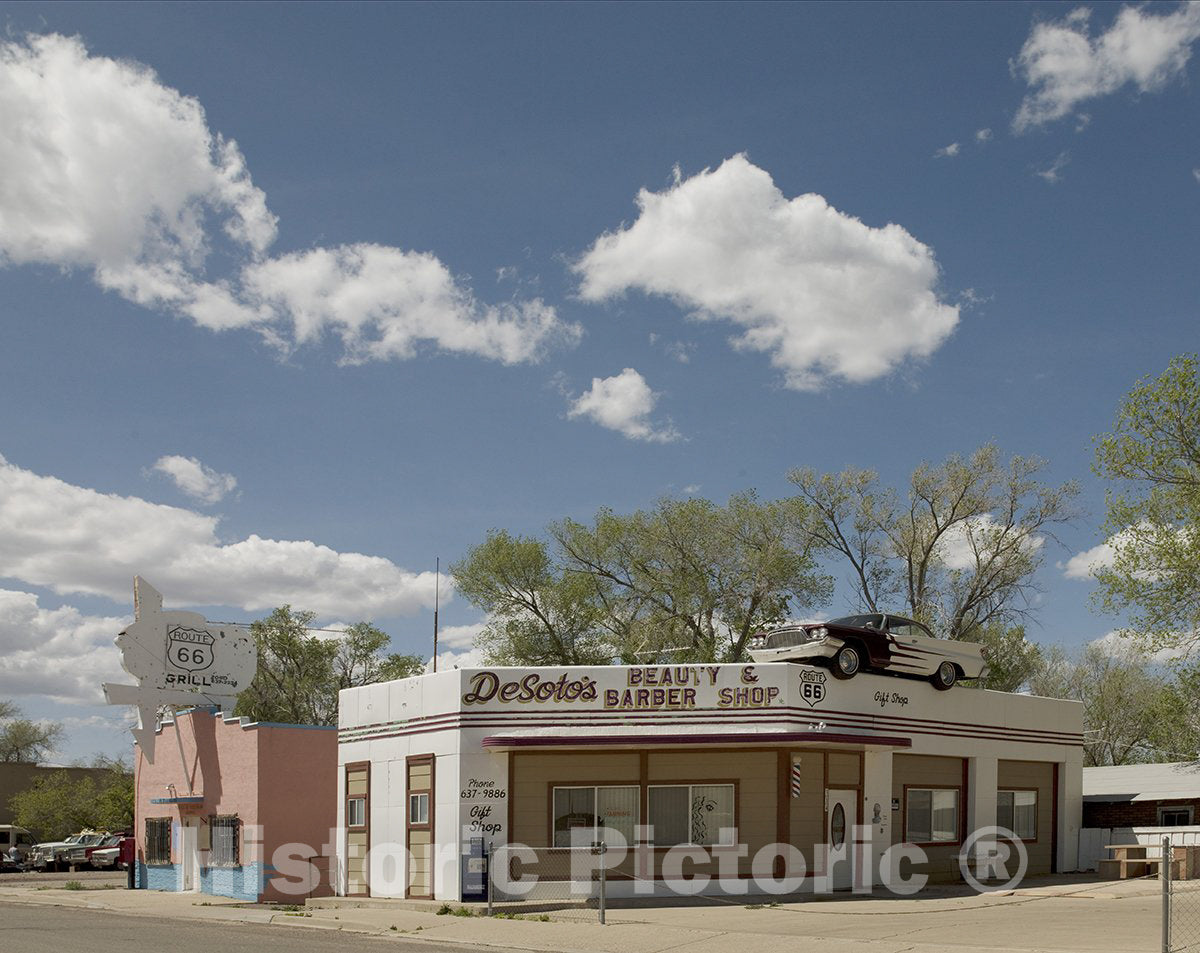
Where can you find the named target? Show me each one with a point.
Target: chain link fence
(562, 878)
(1179, 870)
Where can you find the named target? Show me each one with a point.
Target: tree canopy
(300, 672)
(957, 550)
(687, 581)
(58, 805)
(24, 740)
(1152, 460)
(1132, 713)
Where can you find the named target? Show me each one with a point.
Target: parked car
(112, 855)
(105, 854)
(877, 641)
(56, 855)
(16, 843)
(80, 857)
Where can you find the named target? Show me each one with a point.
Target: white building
(713, 756)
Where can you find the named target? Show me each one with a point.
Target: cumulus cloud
(107, 169)
(948, 152)
(1083, 564)
(1064, 65)
(71, 539)
(383, 302)
(60, 654)
(1119, 644)
(195, 479)
(824, 294)
(983, 135)
(623, 403)
(963, 543)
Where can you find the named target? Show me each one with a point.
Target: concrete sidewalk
(1067, 916)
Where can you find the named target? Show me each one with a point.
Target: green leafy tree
(24, 740)
(689, 580)
(957, 550)
(1133, 714)
(300, 673)
(541, 613)
(1012, 659)
(1152, 460)
(58, 805)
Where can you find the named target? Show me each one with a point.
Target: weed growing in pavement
(72, 885)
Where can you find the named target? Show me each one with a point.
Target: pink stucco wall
(282, 778)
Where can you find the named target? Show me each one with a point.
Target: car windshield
(870, 621)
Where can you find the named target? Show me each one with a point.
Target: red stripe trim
(717, 738)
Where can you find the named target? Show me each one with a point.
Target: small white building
(730, 758)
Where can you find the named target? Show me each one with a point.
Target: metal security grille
(224, 841)
(158, 840)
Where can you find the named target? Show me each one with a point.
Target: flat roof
(1142, 782)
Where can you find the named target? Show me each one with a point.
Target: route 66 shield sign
(189, 649)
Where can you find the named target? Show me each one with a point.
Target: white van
(15, 846)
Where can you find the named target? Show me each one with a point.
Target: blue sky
(296, 298)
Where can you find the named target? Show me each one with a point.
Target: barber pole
(796, 789)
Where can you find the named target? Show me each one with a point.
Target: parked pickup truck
(56, 855)
(83, 854)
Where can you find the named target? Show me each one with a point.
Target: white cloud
(983, 135)
(1053, 172)
(60, 654)
(1083, 564)
(460, 636)
(76, 540)
(957, 548)
(107, 169)
(948, 152)
(383, 302)
(195, 479)
(470, 658)
(1117, 643)
(1196, 174)
(692, 489)
(1064, 65)
(822, 293)
(623, 403)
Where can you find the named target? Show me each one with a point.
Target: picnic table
(1142, 860)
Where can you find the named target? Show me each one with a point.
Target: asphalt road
(38, 929)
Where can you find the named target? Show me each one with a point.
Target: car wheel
(945, 676)
(847, 662)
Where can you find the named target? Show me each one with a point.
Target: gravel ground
(93, 878)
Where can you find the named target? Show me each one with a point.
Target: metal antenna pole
(437, 591)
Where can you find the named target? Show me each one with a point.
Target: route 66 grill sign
(189, 649)
(178, 658)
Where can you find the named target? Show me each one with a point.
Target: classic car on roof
(877, 641)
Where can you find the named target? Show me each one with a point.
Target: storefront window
(932, 816)
(692, 814)
(594, 809)
(1017, 810)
